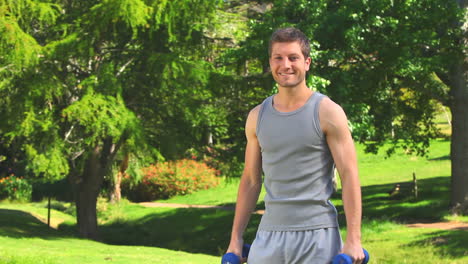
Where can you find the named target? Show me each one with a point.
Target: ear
(307, 63)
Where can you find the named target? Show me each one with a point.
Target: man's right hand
(236, 248)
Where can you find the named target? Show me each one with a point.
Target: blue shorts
(317, 246)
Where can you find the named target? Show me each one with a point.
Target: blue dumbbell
(231, 258)
(345, 259)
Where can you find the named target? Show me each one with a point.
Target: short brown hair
(290, 34)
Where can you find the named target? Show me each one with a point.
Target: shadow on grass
(19, 224)
(448, 242)
(208, 231)
(190, 230)
(431, 204)
(446, 157)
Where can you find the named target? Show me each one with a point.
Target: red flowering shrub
(15, 188)
(164, 180)
(221, 157)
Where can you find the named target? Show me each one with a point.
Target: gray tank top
(298, 168)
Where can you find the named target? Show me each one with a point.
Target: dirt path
(174, 205)
(54, 223)
(452, 225)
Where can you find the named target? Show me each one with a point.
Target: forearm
(335, 127)
(247, 198)
(353, 207)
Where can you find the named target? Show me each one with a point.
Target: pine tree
(86, 81)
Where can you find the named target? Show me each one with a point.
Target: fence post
(415, 186)
(48, 213)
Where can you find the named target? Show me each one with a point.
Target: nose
(286, 63)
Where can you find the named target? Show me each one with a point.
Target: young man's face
(288, 64)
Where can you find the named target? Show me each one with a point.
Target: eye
(294, 58)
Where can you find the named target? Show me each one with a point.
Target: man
(296, 137)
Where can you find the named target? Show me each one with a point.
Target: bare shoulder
(254, 111)
(251, 124)
(329, 107)
(331, 115)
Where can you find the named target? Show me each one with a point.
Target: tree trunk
(116, 193)
(459, 144)
(87, 193)
(89, 184)
(459, 148)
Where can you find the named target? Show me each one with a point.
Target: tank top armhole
(260, 115)
(316, 119)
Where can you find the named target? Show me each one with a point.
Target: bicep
(339, 139)
(253, 160)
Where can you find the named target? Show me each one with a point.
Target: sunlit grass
(132, 233)
(72, 250)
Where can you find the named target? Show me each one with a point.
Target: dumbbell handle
(231, 258)
(345, 259)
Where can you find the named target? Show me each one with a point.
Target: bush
(222, 157)
(15, 188)
(61, 190)
(164, 180)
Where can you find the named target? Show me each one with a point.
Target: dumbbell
(231, 258)
(345, 259)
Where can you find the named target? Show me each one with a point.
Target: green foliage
(220, 157)
(167, 179)
(182, 17)
(86, 81)
(18, 49)
(235, 95)
(16, 46)
(101, 116)
(48, 162)
(378, 60)
(15, 188)
(59, 190)
(103, 71)
(132, 13)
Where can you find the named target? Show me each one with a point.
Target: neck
(293, 94)
(291, 98)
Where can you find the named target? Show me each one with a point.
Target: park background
(106, 104)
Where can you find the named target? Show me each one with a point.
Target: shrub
(164, 180)
(15, 188)
(61, 190)
(222, 157)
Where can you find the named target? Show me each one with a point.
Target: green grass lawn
(132, 233)
(26, 240)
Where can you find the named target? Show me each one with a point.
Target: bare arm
(250, 185)
(335, 126)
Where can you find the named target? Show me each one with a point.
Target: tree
(238, 83)
(458, 106)
(83, 80)
(388, 63)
